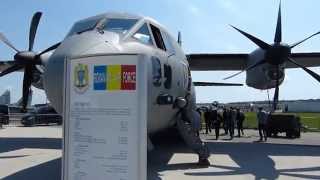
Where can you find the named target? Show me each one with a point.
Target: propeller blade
(7, 42)
(33, 29)
(11, 69)
(278, 35)
(255, 40)
(276, 92)
(247, 69)
(297, 43)
(49, 49)
(313, 74)
(215, 84)
(27, 80)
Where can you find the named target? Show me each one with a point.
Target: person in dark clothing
(240, 119)
(215, 122)
(224, 121)
(213, 117)
(197, 125)
(232, 115)
(217, 125)
(207, 120)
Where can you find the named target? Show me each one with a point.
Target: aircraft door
(184, 77)
(162, 99)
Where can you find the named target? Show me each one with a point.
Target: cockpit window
(168, 42)
(143, 35)
(113, 24)
(119, 25)
(158, 37)
(83, 26)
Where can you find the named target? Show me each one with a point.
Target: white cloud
(190, 7)
(194, 10)
(227, 5)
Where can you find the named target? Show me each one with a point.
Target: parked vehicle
(4, 117)
(288, 123)
(41, 115)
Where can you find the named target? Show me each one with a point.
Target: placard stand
(105, 118)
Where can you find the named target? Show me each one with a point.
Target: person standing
(262, 117)
(188, 121)
(196, 123)
(240, 119)
(215, 122)
(225, 120)
(232, 120)
(201, 117)
(207, 120)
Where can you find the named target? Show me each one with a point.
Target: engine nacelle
(263, 76)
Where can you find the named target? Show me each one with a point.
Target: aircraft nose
(88, 43)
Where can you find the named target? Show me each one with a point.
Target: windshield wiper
(98, 25)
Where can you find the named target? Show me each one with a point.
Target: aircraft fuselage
(168, 72)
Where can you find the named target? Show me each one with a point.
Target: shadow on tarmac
(50, 170)
(11, 144)
(251, 158)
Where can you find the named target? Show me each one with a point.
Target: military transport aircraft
(169, 74)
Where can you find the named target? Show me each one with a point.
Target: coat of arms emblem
(81, 78)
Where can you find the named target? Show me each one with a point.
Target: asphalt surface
(35, 153)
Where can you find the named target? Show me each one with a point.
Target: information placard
(105, 128)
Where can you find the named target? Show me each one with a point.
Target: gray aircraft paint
(258, 77)
(93, 42)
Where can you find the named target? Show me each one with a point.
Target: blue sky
(205, 29)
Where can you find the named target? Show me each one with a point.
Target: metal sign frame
(141, 116)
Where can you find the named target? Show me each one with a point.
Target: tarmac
(35, 153)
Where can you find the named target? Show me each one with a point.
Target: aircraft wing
(305, 59)
(5, 64)
(216, 62)
(215, 84)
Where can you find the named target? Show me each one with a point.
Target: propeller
(276, 54)
(26, 60)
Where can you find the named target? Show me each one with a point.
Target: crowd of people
(227, 118)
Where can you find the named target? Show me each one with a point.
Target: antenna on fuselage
(179, 38)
